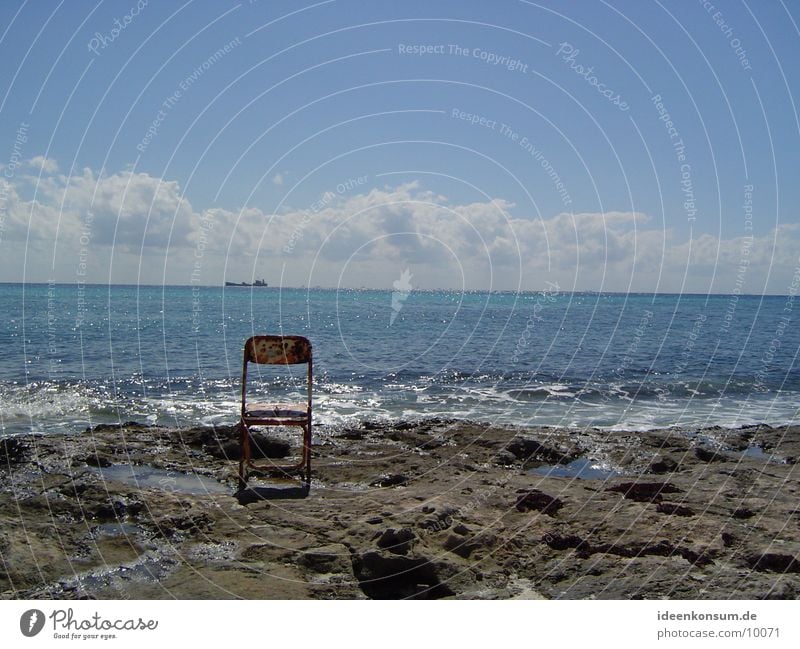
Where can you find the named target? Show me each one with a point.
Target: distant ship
(259, 282)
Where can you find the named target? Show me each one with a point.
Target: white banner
(354, 624)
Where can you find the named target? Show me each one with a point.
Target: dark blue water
(75, 356)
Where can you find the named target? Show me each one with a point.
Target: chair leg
(244, 453)
(307, 452)
(245, 456)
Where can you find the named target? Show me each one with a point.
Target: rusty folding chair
(274, 350)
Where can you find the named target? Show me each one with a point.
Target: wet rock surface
(426, 509)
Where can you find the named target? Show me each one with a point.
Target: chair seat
(288, 411)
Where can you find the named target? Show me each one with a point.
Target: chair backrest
(277, 350)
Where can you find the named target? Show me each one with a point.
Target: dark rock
(267, 447)
(505, 458)
(674, 508)
(728, 539)
(97, 460)
(442, 521)
(539, 501)
(352, 434)
(526, 449)
(461, 529)
(375, 520)
(261, 447)
(661, 548)
(110, 510)
(464, 546)
(390, 480)
(396, 541)
(568, 541)
(562, 541)
(773, 562)
(644, 491)
(696, 558)
(12, 451)
(222, 442)
(459, 545)
(743, 512)
(584, 549)
(393, 577)
(431, 443)
(709, 455)
(664, 465)
(100, 428)
(134, 508)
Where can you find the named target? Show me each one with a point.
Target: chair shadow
(250, 495)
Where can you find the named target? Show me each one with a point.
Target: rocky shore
(417, 509)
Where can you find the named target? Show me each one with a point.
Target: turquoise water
(75, 356)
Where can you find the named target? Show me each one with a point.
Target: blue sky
(480, 145)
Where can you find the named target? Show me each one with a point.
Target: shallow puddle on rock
(582, 468)
(117, 579)
(148, 477)
(114, 530)
(760, 454)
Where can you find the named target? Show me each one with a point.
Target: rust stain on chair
(279, 350)
(275, 350)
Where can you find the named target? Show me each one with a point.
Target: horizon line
(389, 290)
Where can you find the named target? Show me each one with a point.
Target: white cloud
(43, 164)
(368, 238)
(127, 209)
(277, 179)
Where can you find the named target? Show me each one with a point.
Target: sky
(617, 145)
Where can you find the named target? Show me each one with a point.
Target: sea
(77, 355)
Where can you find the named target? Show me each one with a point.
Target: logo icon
(402, 289)
(31, 622)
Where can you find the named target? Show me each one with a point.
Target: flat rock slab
(424, 509)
